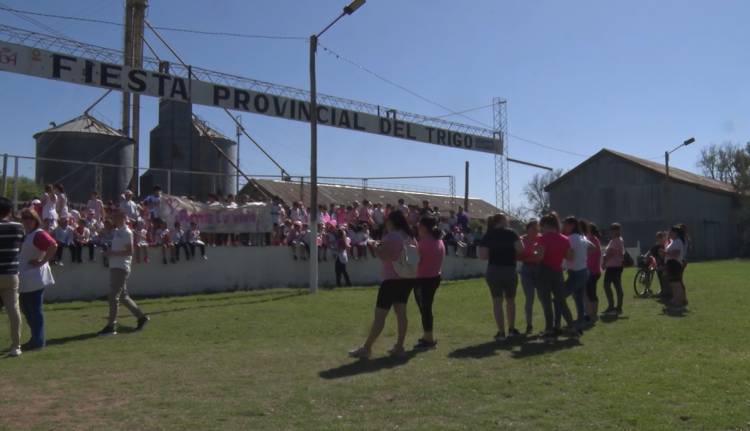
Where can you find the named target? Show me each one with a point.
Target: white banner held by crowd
(250, 218)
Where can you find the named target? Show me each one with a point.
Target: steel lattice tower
(502, 181)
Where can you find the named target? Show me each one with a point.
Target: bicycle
(644, 277)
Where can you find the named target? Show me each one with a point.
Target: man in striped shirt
(11, 235)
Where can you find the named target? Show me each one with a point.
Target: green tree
(27, 189)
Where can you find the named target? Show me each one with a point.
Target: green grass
(277, 360)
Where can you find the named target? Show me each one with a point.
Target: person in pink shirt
(552, 248)
(431, 254)
(614, 255)
(364, 213)
(594, 264)
(394, 290)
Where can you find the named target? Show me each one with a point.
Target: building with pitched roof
(615, 187)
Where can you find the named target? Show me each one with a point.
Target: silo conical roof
(83, 124)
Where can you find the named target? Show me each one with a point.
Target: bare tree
(538, 199)
(729, 163)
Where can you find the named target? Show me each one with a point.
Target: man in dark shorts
(501, 246)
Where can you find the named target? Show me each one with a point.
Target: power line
(19, 12)
(451, 111)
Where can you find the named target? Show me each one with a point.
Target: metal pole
(127, 61)
(313, 169)
(139, 11)
(466, 188)
(15, 184)
(239, 133)
(667, 196)
(5, 173)
(169, 182)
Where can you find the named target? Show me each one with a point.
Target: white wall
(227, 268)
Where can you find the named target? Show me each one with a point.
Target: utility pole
(139, 14)
(239, 133)
(466, 188)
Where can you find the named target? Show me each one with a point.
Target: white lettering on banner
(251, 218)
(47, 64)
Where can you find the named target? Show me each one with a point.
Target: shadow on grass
(611, 319)
(69, 339)
(231, 303)
(483, 350)
(364, 366)
(675, 313)
(541, 348)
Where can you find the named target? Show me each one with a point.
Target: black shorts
(394, 292)
(674, 271)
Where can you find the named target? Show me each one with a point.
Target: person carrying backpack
(398, 256)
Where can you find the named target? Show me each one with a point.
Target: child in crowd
(179, 242)
(341, 247)
(140, 238)
(359, 242)
(194, 240)
(82, 238)
(294, 237)
(65, 237)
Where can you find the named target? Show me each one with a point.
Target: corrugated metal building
(289, 191)
(616, 187)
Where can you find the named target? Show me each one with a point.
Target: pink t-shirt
(555, 245)
(614, 253)
(594, 257)
(431, 255)
(528, 248)
(392, 245)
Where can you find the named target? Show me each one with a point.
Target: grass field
(277, 360)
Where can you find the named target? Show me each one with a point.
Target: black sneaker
(610, 311)
(107, 331)
(548, 335)
(142, 323)
(529, 329)
(423, 344)
(500, 336)
(618, 311)
(27, 347)
(513, 332)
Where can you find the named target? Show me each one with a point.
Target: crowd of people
(540, 257)
(410, 242)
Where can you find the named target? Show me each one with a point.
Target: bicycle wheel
(642, 282)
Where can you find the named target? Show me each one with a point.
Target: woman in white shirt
(35, 275)
(49, 212)
(61, 202)
(674, 260)
(578, 272)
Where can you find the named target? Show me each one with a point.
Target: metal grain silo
(212, 160)
(85, 139)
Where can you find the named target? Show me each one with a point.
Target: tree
(538, 199)
(27, 189)
(730, 163)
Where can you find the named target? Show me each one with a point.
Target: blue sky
(636, 76)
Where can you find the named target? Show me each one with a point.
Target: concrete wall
(227, 268)
(610, 189)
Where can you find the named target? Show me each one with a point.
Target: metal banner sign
(51, 65)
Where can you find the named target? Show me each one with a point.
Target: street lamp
(348, 10)
(666, 178)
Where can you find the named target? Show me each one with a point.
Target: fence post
(169, 182)
(98, 180)
(5, 173)
(15, 184)
(364, 188)
(302, 190)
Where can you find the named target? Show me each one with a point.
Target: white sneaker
(14, 353)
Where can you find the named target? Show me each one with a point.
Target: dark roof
(289, 191)
(675, 174)
(83, 124)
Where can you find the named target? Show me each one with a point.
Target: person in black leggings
(613, 263)
(431, 254)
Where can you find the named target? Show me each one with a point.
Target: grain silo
(183, 142)
(85, 139)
